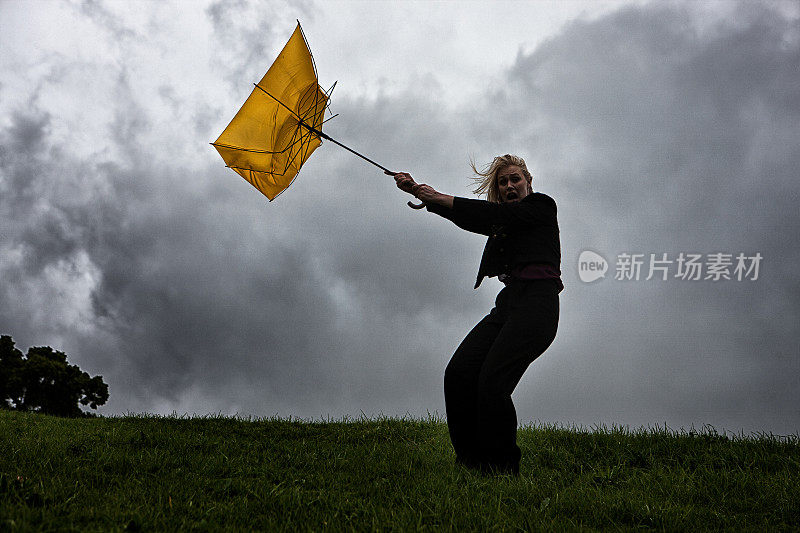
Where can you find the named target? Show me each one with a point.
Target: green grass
(145, 473)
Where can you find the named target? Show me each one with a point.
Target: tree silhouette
(42, 381)
(11, 364)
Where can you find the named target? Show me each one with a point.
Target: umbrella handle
(412, 205)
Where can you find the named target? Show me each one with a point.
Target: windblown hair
(486, 179)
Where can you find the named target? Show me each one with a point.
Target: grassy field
(145, 473)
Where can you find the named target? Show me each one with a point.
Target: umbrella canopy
(271, 136)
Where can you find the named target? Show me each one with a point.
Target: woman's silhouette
(524, 252)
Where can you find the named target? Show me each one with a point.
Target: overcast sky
(658, 128)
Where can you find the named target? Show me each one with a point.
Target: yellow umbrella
(265, 142)
(280, 123)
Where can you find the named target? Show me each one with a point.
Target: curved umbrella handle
(412, 205)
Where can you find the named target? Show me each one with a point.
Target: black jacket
(519, 232)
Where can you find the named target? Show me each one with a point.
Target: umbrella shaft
(329, 138)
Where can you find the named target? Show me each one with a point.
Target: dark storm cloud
(661, 135)
(106, 20)
(171, 305)
(653, 132)
(703, 119)
(27, 133)
(247, 33)
(264, 308)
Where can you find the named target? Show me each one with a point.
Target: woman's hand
(404, 182)
(429, 195)
(426, 193)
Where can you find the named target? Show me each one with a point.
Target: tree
(11, 364)
(44, 382)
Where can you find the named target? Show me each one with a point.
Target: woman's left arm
(426, 193)
(429, 195)
(479, 215)
(436, 202)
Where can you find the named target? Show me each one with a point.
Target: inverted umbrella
(280, 123)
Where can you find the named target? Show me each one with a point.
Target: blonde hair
(486, 179)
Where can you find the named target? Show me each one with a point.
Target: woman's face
(511, 184)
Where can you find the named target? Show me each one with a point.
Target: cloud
(186, 293)
(104, 18)
(245, 33)
(127, 244)
(660, 136)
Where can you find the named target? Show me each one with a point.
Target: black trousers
(486, 368)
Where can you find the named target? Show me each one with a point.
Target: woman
(524, 252)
